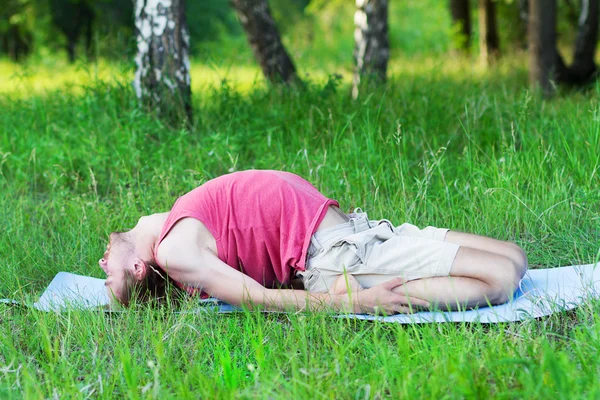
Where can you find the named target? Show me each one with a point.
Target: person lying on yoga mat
(246, 236)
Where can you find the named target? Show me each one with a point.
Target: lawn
(444, 144)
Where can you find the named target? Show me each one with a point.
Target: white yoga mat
(542, 292)
(73, 291)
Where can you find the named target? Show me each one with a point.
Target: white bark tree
(371, 48)
(162, 77)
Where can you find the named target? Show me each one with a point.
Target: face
(116, 263)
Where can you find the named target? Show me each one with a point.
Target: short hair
(156, 287)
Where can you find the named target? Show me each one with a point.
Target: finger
(405, 300)
(404, 310)
(401, 310)
(409, 298)
(415, 301)
(385, 311)
(381, 311)
(392, 283)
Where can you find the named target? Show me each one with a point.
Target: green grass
(443, 144)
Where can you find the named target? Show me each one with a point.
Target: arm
(203, 269)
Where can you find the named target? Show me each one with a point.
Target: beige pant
(375, 252)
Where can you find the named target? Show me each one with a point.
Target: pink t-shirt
(262, 221)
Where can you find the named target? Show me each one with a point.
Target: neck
(146, 233)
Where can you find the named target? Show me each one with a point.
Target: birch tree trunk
(264, 38)
(543, 55)
(489, 43)
(371, 48)
(162, 78)
(460, 12)
(584, 66)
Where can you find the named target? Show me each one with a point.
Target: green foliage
(19, 13)
(209, 21)
(288, 13)
(18, 19)
(114, 30)
(511, 27)
(318, 26)
(420, 28)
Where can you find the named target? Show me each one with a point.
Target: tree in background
(460, 12)
(17, 19)
(74, 19)
(489, 42)
(523, 24)
(543, 55)
(16, 42)
(584, 67)
(114, 29)
(546, 64)
(264, 38)
(162, 77)
(371, 49)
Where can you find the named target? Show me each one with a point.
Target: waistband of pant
(358, 222)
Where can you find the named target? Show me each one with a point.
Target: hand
(344, 284)
(381, 299)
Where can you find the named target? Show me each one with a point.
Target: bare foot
(344, 283)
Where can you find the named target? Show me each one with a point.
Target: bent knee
(505, 279)
(519, 257)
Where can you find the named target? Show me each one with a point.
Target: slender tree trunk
(16, 43)
(489, 43)
(89, 32)
(523, 23)
(162, 78)
(71, 50)
(264, 38)
(460, 11)
(543, 54)
(73, 18)
(371, 48)
(584, 66)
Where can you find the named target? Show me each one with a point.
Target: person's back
(261, 221)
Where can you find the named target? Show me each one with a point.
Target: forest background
(317, 33)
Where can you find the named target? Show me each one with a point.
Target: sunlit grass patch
(24, 80)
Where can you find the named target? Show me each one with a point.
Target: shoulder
(186, 244)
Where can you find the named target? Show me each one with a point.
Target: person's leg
(466, 271)
(455, 292)
(477, 278)
(507, 249)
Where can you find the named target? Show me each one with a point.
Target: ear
(139, 269)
